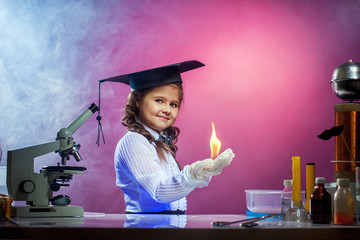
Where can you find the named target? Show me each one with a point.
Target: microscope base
(50, 211)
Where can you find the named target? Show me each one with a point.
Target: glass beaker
(297, 213)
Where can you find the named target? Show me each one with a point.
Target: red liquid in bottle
(320, 203)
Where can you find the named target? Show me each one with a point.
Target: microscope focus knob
(27, 186)
(55, 186)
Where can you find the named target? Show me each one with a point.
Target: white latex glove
(200, 170)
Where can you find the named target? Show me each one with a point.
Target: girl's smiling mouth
(163, 117)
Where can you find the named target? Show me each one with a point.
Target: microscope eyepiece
(93, 108)
(82, 118)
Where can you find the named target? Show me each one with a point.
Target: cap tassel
(98, 118)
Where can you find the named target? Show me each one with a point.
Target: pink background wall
(265, 84)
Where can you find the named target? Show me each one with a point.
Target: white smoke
(42, 86)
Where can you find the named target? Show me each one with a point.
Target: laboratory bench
(156, 226)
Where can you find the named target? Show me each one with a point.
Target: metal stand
(50, 211)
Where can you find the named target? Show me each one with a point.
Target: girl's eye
(174, 105)
(158, 100)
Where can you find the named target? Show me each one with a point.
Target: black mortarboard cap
(333, 132)
(155, 76)
(150, 78)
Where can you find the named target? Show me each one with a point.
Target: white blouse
(149, 184)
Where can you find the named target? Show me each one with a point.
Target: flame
(215, 143)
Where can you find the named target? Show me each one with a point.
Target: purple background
(265, 84)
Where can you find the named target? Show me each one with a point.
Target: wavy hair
(132, 123)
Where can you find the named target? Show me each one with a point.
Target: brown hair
(131, 122)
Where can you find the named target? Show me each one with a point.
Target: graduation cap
(333, 132)
(147, 79)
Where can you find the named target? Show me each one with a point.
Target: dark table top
(153, 226)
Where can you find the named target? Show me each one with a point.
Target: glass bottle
(357, 195)
(286, 197)
(320, 203)
(343, 203)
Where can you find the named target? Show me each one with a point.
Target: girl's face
(159, 108)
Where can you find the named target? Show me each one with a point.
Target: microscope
(37, 189)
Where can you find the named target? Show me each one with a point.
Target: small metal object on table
(250, 222)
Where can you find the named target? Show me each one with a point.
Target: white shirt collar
(152, 131)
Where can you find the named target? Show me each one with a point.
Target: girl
(146, 168)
